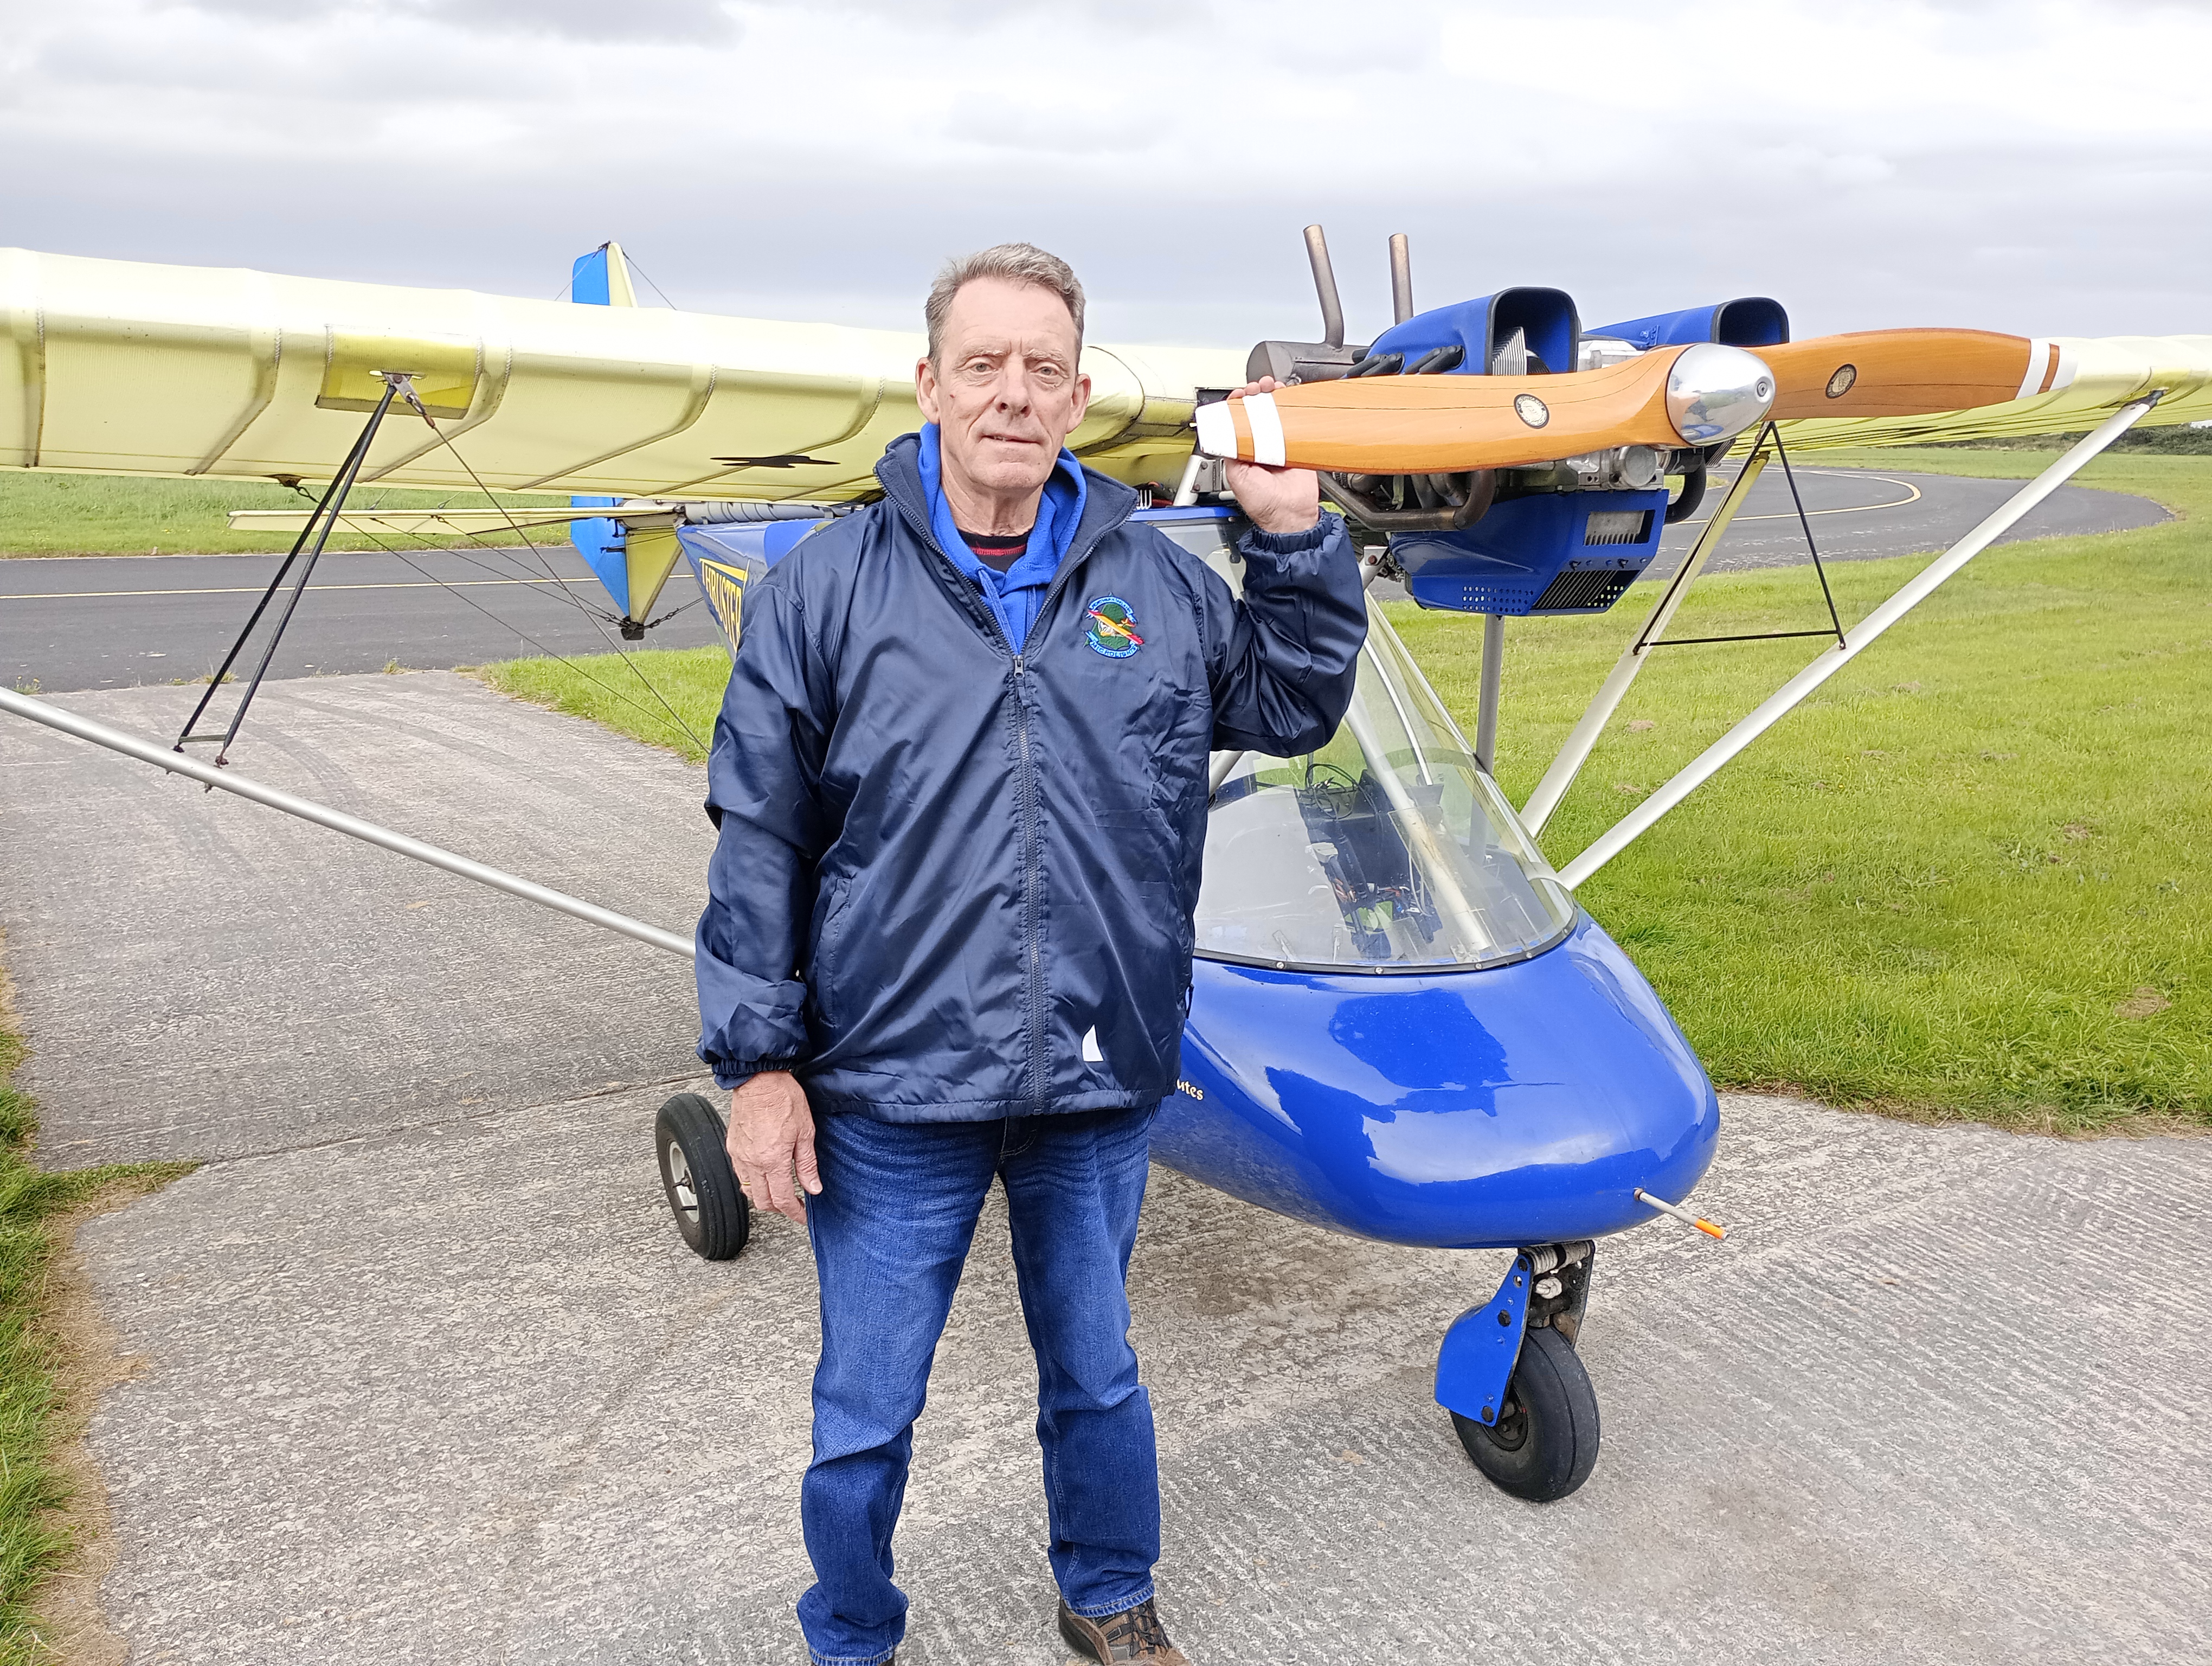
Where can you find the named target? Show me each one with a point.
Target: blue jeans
(891, 1230)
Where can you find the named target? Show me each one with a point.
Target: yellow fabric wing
(121, 367)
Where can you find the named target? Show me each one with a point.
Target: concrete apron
(428, 1375)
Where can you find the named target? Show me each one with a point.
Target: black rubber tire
(1544, 1443)
(711, 1212)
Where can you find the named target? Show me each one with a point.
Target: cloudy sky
(2043, 167)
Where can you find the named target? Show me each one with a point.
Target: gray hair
(1015, 263)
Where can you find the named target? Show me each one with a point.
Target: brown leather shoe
(1133, 1634)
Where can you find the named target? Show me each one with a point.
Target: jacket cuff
(1290, 543)
(738, 1075)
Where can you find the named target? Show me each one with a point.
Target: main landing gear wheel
(1544, 1443)
(711, 1212)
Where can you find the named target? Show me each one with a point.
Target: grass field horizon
(96, 514)
(1968, 879)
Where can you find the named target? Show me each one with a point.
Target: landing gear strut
(1519, 1398)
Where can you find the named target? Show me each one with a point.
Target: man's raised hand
(772, 1135)
(1279, 500)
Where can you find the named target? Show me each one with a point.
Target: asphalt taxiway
(425, 1374)
(115, 622)
(91, 622)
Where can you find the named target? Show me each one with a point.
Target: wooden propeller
(1906, 373)
(1444, 424)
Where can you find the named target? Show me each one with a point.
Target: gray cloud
(700, 21)
(820, 161)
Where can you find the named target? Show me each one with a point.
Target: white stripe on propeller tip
(1266, 429)
(1216, 432)
(2039, 367)
(2069, 362)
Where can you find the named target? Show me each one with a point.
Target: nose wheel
(1520, 1401)
(1544, 1443)
(711, 1212)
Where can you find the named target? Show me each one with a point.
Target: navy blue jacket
(944, 868)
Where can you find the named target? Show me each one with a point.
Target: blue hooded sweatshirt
(1015, 595)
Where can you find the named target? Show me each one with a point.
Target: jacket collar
(1106, 502)
(1059, 513)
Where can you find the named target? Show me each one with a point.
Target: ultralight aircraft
(1402, 1025)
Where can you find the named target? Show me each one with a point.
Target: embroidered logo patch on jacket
(1112, 629)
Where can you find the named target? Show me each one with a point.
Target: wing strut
(1910, 595)
(116, 740)
(319, 525)
(1485, 710)
(1576, 750)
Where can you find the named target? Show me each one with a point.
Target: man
(960, 777)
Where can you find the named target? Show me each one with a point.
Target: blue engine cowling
(1753, 321)
(1547, 318)
(1512, 1105)
(1543, 554)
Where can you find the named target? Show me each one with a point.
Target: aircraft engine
(1566, 536)
(1569, 536)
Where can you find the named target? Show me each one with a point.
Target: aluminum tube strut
(1910, 595)
(1186, 489)
(1574, 751)
(1485, 711)
(338, 821)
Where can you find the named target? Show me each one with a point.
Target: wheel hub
(1510, 1432)
(679, 1181)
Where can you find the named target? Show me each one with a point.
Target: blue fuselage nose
(1513, 1105)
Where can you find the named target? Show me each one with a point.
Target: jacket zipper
(1032, 861)
(1025, 770)
(1033, 843)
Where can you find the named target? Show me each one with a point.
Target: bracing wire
(1835, 622)
(1828, 595)
(518, 572)
(648, 277)
(674, 716)
(507, 624)
(695, 601)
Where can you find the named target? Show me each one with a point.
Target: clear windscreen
(1387, 850)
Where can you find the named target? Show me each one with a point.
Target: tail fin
(601, 278)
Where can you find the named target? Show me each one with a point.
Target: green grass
(78, 514)
(32, 1491)
(2189, 440)
(601, 687)
(1971, 878)
(1938, 886)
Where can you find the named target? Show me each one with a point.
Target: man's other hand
(772, 1134)
(1279, 500)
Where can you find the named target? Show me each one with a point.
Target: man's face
(1005, 392)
